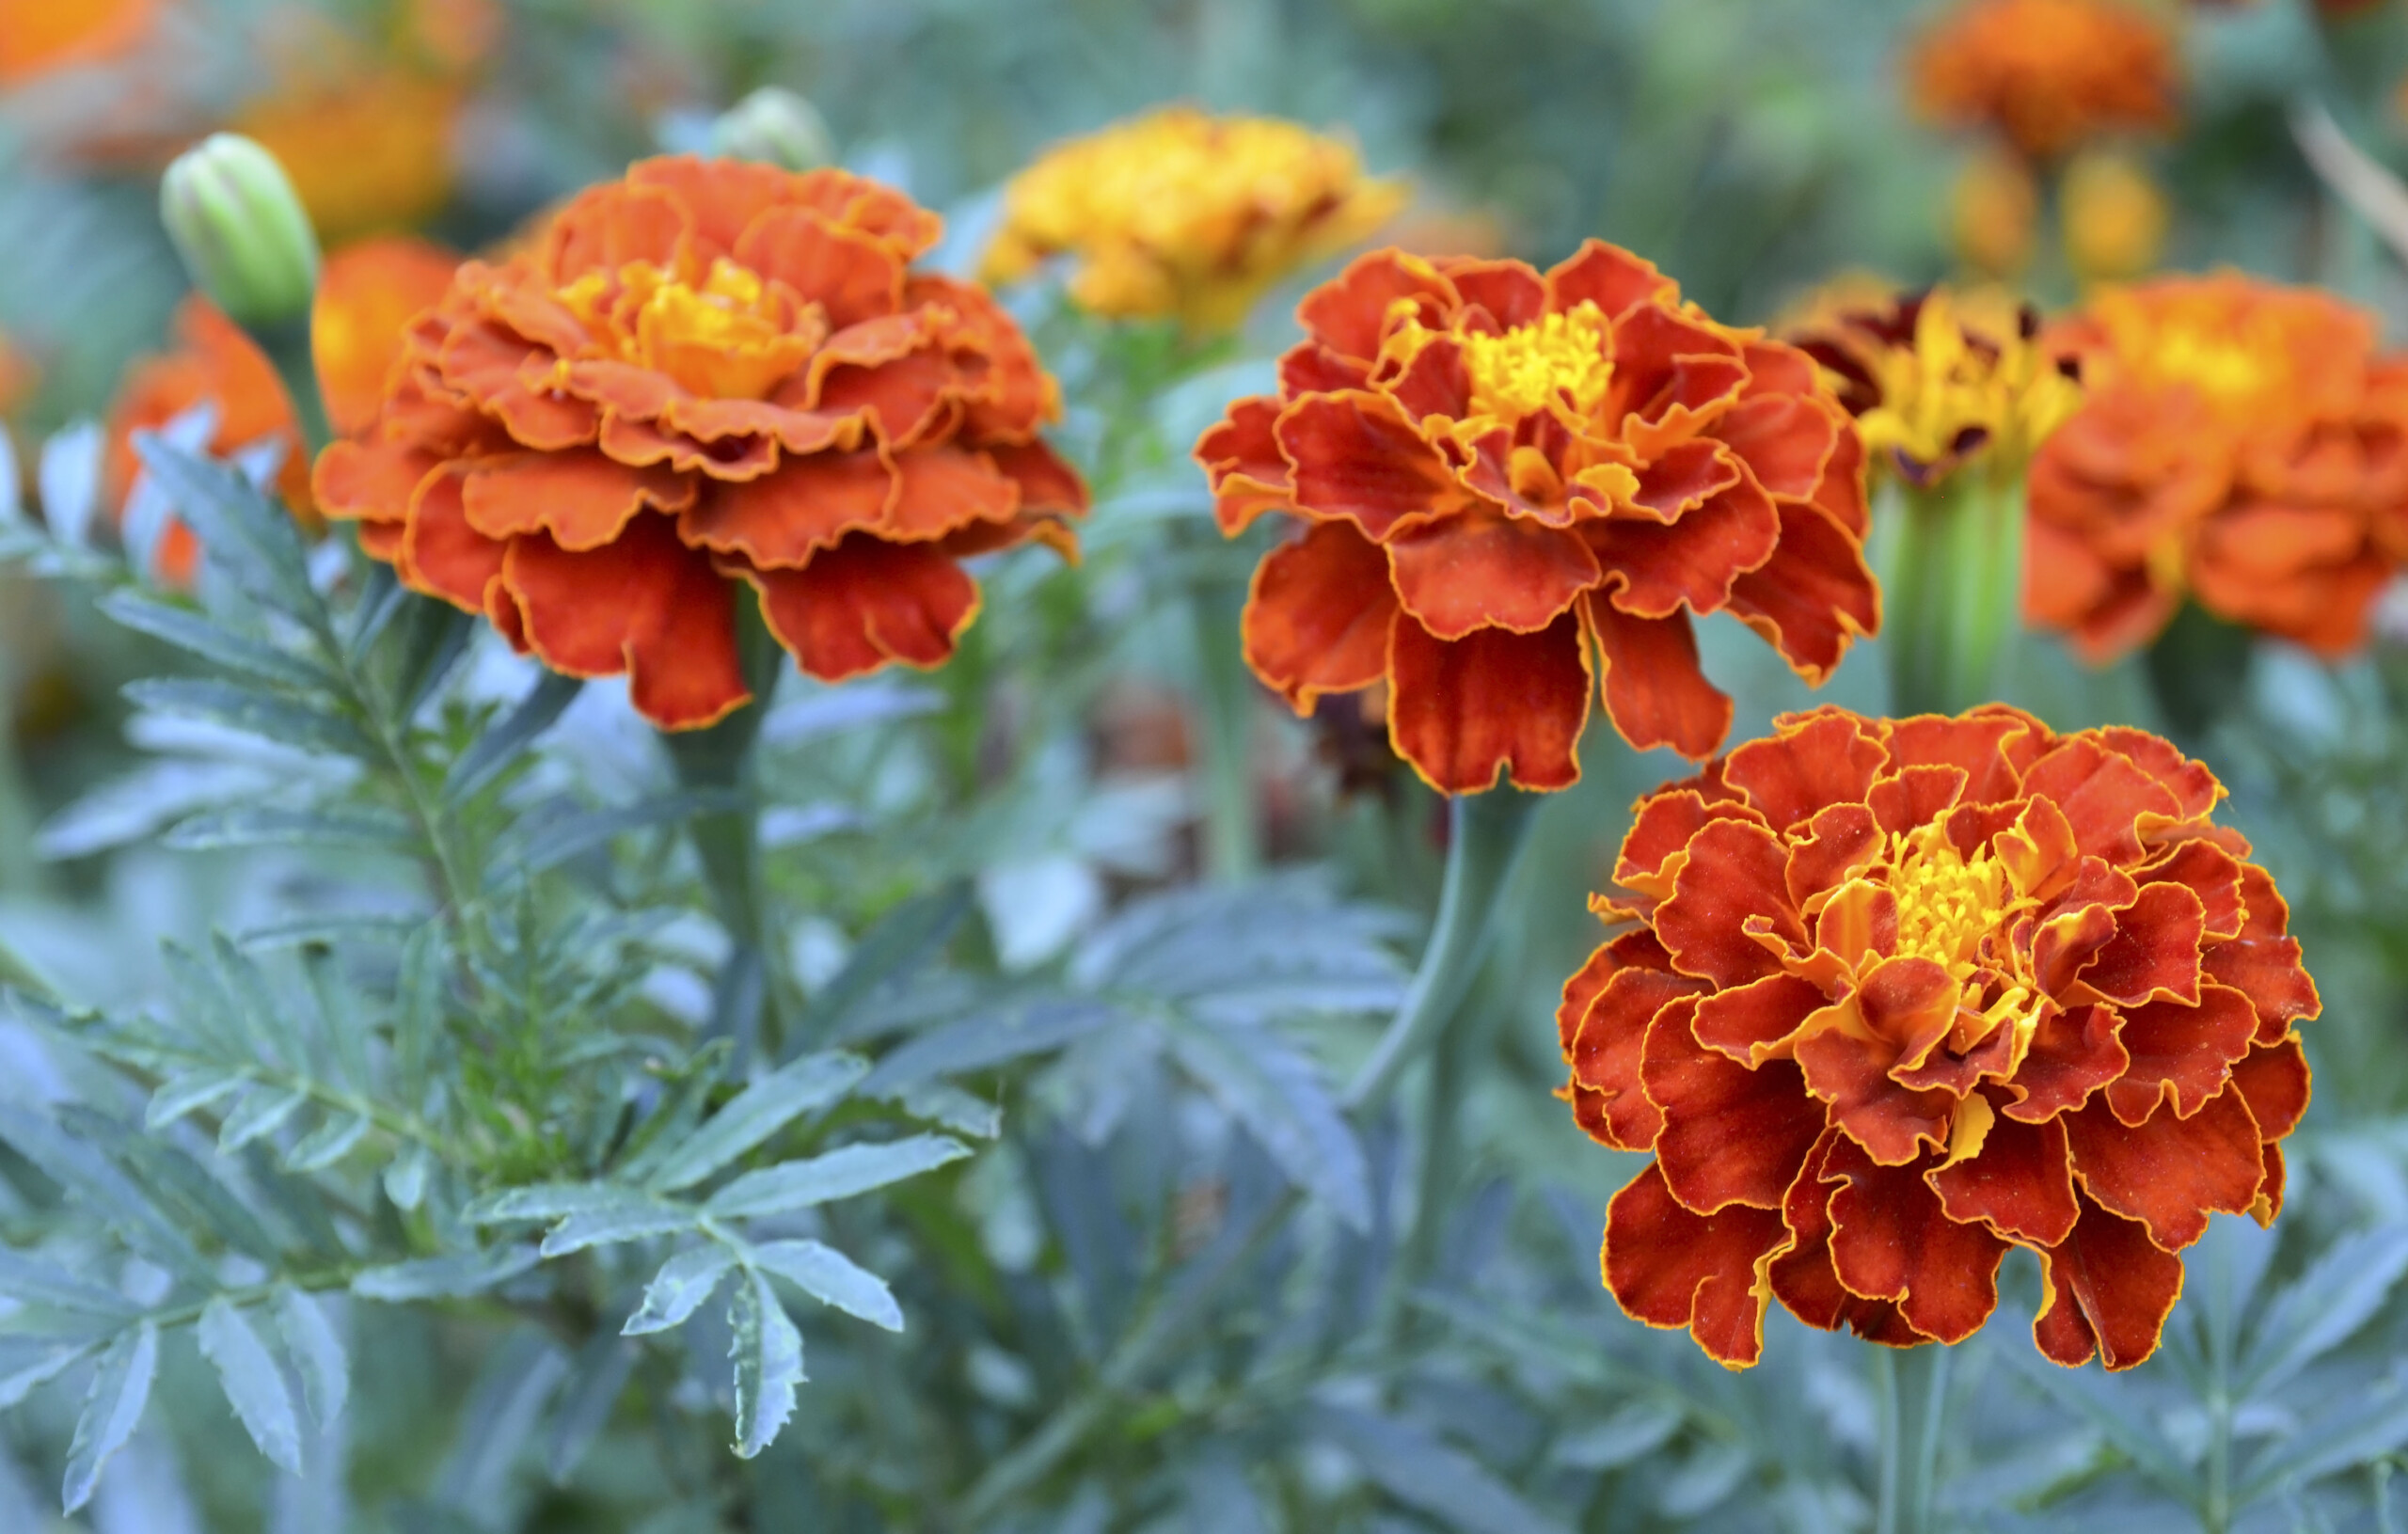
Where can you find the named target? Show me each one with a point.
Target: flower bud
(244, 238)
(776, 127)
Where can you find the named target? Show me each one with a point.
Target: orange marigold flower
(369, 149)
(1495, 474)
(1992, 211)
(1893, 997)
(2243, 442)
(705, 372)
(368, 294)
(1186, 214)
(2047, 75)
(39, 36)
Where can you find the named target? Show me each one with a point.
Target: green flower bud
(245, 240)
(774, 126)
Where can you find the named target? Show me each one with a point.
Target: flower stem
(1953, 579)
(1912, 1385)
(1487, 834)
(1232, 831)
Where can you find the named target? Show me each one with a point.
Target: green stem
(1952, 580)
(1912, 1385)
(1487, 834)
(1232, 831)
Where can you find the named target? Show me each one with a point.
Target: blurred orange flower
(1992, 211)
(2242, 442)
(368, 294)
(39, 36)
(2114, 217)
(18, 377)
(1186, 214)
(1891, 998)
(1498, 482)
(365, 152)
(705, 374)
(2048, 75)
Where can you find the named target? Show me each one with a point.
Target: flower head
(2114, 217)
(2242, 442)
(1891, 998)
(366, 149)
(1939, 380)
(1499, 481)
(709, 372)
(2046, 76)
(41, 36)
(1992, 212)
(1186, 214)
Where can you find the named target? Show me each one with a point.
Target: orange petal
(1486, 569)
(1812, 596)
(440, 553)
(1240, 457)
(1317, 619)
(1803, 1278)
(2073, 1055)
(850, 274)
(2103, 795)
(1610, 277)
(1761, 1012)
(644, 605)
(1826, 759)
(1734, 871)
(2214, 875)
(580, 498)
(781, 521)
(2110, 1291)
(1349, 313)
(2155, 952)
(1671, 1268)
(367, 293)
(2180, 1053)
(1684, 478)
(606, 226)
(1785, 439)
(488, 365)
(902, 401)
(1893, 1123)
(1731, 1135)
(1915, 796)
(2268, 972)
(943, 489)
(1655, 692)
(1606, 1051)
(1973, 743)
(1310, 368)
(2171, 1173)
(1691, 561)
(1354, 455)
(862, 603)
(2273, 1080)
(373, 482)
(2020, 1182)
(1513, 294)
(1893, 1240)
(1463, 710)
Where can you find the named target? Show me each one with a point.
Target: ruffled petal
(440, 554)
(1463, 710)
(2182, 1054)
(1241, 458)
(1893, 1239)
(2171, 1173)
(1731, 1135)
(1829, 759)
(1356, 456)
(863, 603)
(1734, 871)
(1668, 1267)
(2154, 955)
(1350, 313)
(1317, 619)
(1784, 439)
(1691, 562)
(2020, 1182)
(1487, 570)
(1747, 1020)
(644, 605)
(581, 498)
(1607, 1051)
(1612, 278)
(851, 274)
(781, 521)
(2110, 1291)
(1655, 692)
(2272, 1079)
(1813, 598)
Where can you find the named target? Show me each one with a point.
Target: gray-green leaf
(757, 1112)
(679, 1288)
(447, 1277)
(829, 1275)
(768, 1364)
(113, 1406)
(839, 1174)
(310, 1342)
(253, 1382)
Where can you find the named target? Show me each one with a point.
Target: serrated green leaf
(189, 1092)
(213, 641)
(406, 1177)
(445, 1277)
(2361, 1431)
(831, 1278)
(627, 1223)
(767, 1351)
(113, 1406)
(182, 1184)
(418, 1012)
(272, 1022)
(755, 1113)
(269, 715)
(679, 1108)
(113, 1196)
(33, 1281)
(679, 1288)
(337, 1134)
(310, 1342)
(950, 1107)
(26, 1362)
(550, 844)
(428, 641)
(253, 1382)
(840, 1174)
(356, 828)
(991, 1037)
(244, 533)
(504, 742)
(550, 1201)
(1277, 1091)
(262, 1110)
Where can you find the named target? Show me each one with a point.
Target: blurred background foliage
(991, 877)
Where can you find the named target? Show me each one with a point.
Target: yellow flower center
(1948, 383)
(1947, 904)
(1559, 361)
(731, 337)
(2230, 369)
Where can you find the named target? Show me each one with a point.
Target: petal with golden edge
(1608, 276)
(1656, 692)
(1893, 1240)
(2073, 1052)
(1916, 795)
(1355, 456)
(641, 444)
(720, 196)
(1668, 1267)
(1511, 291)
(2154, 955)
(1685, 477)
(441, 555)
(1242, 459)
(2170, 1173)
(1317, 619)
(1349, 313)
(2273, 1080)
(1487, 570)
(865, 602)
(373, 482)
(1587, 983)
(603, 228)
(901, 399)
(781, 521)
(1894, 1124)
(1047, 484)
(2210, 873)
(1462, 710)
(2103, 795)
(1747, 1021)
(2110, 1291)
(1785, 439)
(1435, 383)
(488, 365)
(943, 489)
(1974, 743)
(1813, 596)
(580, 498)
(1606, 1051)
(644, 605)
(1841, 839)
(1310, 368)
(1858, 923)
(1815, 760)
(1734, 871)
(1803, 1278)
(2268, 972)
(1688, 562)
(1665, 822)
(2182, 1052)
(851, 275)
(2020, 1182)
(1731, 1135)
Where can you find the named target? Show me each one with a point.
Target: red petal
(2155, 952)
(440, 553)
(1435, 383)
(1812, 596)
(1605, 1053)
(644, 605)
(1784, 439)
(1893, 1240)
(2210, 873)
(1818, 760)
(1915, 796)
(1974, 742)
(372, 481)
(851, 275)
(1462, 710)
(580, 498)
(2268, 972)
(1608, 276)
(2171, 1172)
(1689, 562)
(1892, 1123)
(1685, 477)
(1355, 455)
(2102, 795)
(1486, 569)
(1731, 1135)
(1655, 692)
(1241, 458)
(2183, 1052)
(943, 489)
(862, 603)
(1511, 291)
(1310, 368)
(781, 521)
(1734, 871)
(1349, 313)
(1840, 840)
(902, 401)
(1667, 1266)
(1803, 1278)
(2273, 1080)
(2110, 1291)
(1761, 1012)
(1317, 619)
(2020, 1182)
(2073, 1055)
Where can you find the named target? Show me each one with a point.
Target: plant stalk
(1912, 1386)
(1954, 580)
(1232, 829)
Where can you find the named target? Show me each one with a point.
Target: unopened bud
(776, 127)
(245, 240)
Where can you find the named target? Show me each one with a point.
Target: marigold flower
(369, 150)
(1939, 379)
(39, 36)
(1494, 473)
(2048, 75)
(1893, 997)
(2114, 217)
(705, 372)
(1992, 211)
(1178, 212)
(2242, 442)
(368, 294)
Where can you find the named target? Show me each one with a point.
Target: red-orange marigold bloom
(1497, 474)
(2241, 442)
(1893, 997)
(705, 372)
(2048, 75)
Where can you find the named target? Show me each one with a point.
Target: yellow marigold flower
(1178, 212)
(1941, 380)
(366, 151)
(2114, 217)
(1992, 212)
